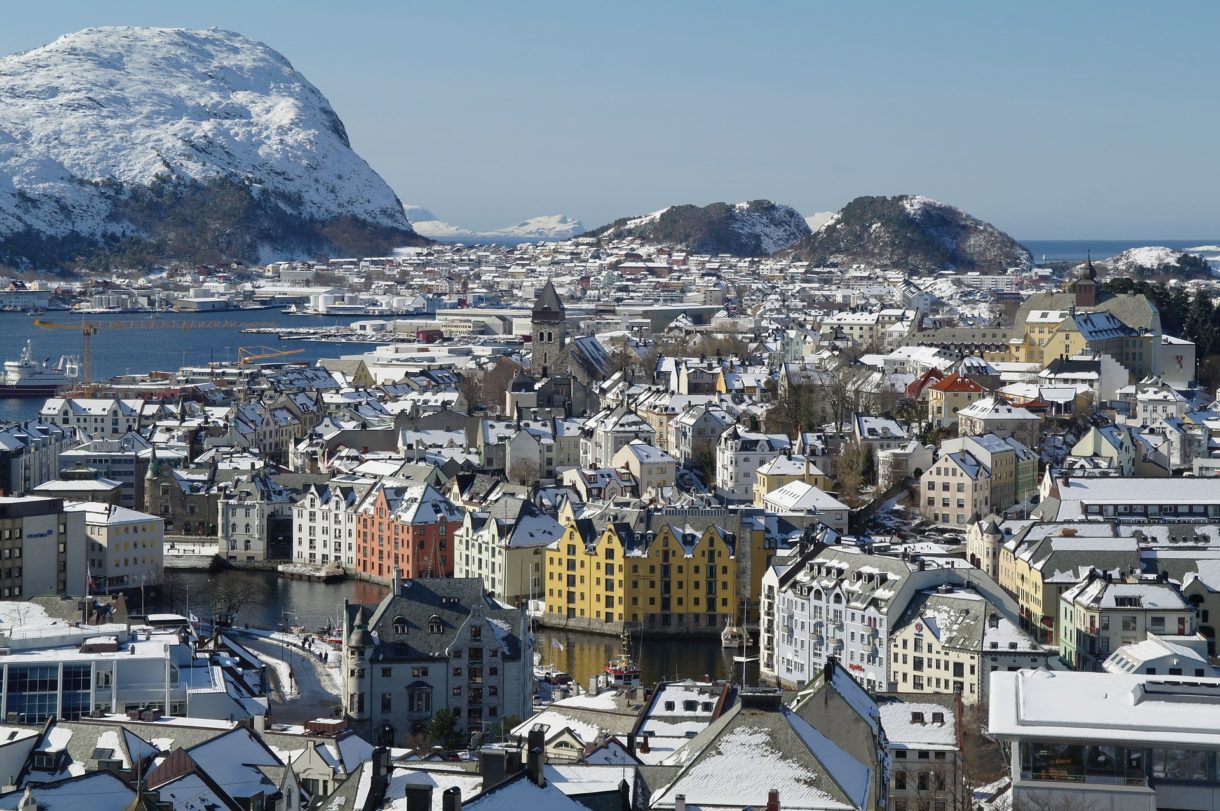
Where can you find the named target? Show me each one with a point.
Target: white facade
(843, 603)
(324, 525)
(739, 455)
(125, 547)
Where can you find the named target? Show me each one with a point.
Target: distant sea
(1073, 250)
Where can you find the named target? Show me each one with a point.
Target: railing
(1061, 776)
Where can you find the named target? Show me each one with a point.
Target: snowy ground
(328, 672)
(17, 614)
(283, 674)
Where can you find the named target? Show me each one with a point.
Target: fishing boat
(621, 670)
(734, 636)
(26, 377)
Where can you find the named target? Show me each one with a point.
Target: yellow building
(785, 469)
(599, 580)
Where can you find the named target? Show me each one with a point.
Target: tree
(233, 591)
(505, 726)
(849, 472)
(470, 387)
(442, 729)
(523, 471)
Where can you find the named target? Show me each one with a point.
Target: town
(958, 534)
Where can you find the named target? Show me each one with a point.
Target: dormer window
(400, 624)
(434, 624)
(917, 718)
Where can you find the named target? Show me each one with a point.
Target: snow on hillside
(777, 228)
(1157, 257)
(1152, 256)
(551, 227)
(107, 108)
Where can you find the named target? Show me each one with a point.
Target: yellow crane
(88, 329)
(249, 354)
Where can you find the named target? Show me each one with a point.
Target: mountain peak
(911, 232)
(751, 228)
(102, 114)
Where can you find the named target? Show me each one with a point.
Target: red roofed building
(950, 395)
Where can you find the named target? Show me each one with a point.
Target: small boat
(734, 636)
(622, 671)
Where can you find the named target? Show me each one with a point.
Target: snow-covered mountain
(548, 228)
(910, 232)
(116, 137)
(1203, 260)
(755, 228)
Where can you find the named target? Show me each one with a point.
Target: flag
(555, 643)
(194, 620)
(89, 580)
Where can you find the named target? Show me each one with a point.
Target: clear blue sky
(1049, 119)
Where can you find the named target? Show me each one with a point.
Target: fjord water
(140, 350)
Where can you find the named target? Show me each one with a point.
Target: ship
(26, 377)
(622, 670)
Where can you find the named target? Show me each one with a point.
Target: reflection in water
(314, 605)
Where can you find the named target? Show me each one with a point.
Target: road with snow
(314, 696)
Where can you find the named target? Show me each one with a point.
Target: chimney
(451, 800)
(536, 757)
(419, 798)
(773, 800)
(631, 742)
(643, 748)
(493, 766)
(680, 802)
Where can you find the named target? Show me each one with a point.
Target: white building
(505, 547)
(739, 455)
(843, 602)
(1107, 740)
(73, 671)
(125, 547)
(324, 523)
(95, 418)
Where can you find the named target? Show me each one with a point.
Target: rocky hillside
(756, 228)
(144, 144)
(911, 233)
(1155, 261)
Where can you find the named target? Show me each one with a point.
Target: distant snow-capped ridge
(104, 113)
(548, 228)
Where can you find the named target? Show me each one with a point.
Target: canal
(315, 605)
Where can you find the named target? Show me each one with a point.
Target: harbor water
(314, 606)
(138, 350)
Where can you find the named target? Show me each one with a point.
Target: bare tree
(231, 592)
(470, 387)
(523, 471)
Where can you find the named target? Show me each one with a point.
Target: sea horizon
(1068, 250)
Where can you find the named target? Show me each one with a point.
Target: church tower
(548, 322)
(1086, 286)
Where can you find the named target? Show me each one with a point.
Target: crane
(249, 354)
(88, 329)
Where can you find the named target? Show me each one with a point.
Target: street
(314, 698)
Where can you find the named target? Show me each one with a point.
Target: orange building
(408, 526)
